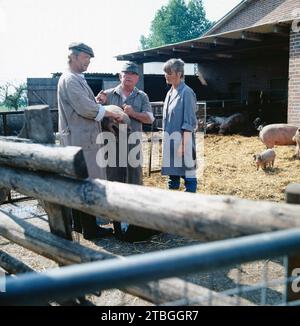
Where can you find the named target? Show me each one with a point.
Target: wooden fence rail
(202, 217)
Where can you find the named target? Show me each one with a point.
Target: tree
(13, 96)
(176, 22)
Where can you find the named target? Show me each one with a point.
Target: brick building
(251, 55)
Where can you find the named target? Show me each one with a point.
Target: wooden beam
(200, 46)
(223, 41)
(181, 50)
(50, 158)
(173, 289)
(281, 30)
(38, 128)
(16, 140)
(38, 124)
(44, 243)
(163, 52)
(250, 36)
(60, 219)
(224, 56)
(3, 195)
(13, 265)
(66, 253)
(192, 215)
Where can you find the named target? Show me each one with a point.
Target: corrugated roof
(210, 42)
(276, 23)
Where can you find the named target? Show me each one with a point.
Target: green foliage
(176, 22)
(13, 96)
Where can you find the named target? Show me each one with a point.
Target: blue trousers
(189, 183)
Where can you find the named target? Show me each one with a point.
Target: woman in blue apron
(179, 125)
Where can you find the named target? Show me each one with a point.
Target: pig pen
(229, 169)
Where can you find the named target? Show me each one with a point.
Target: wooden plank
(13, 265)
(15, 140)
(293, 197)
(66, 253)
(3, 195)
(51, 158)
(44, 243)
(60, 221)
(202, 217)
(38, 127)
(185, 293)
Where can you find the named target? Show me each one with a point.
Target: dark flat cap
(131, 67)
(82, 48)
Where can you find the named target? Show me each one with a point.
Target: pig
(296, 139)
(108, 124)
(278, 134)
(232, 124)
(265, 159)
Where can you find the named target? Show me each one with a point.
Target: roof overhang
(229, 45)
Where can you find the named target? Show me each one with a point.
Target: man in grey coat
(80, 124)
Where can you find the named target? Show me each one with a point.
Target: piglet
(265, 159)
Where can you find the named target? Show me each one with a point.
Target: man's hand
(129, 111)
(101, 98)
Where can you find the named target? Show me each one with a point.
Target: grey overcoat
(78, 109)
(179, 115)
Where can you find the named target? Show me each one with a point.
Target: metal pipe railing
(77, 280)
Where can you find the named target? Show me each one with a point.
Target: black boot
(91, 230)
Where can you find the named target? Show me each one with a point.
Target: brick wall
(258, 12)
(294, 80)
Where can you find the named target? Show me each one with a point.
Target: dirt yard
(229, 170)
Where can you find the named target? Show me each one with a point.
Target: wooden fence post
(3, 195)
(39, 128)
(38, 125)
(293, 197)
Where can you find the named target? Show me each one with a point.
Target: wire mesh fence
(255, 283)
(246, 271)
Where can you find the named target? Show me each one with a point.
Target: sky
(35, 34)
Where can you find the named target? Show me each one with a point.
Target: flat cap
(131, 67)
(82, 48)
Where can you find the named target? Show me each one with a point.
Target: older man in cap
(80, 124)
(136, 105)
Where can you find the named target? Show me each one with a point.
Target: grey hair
(174, 65)
(73, 52)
